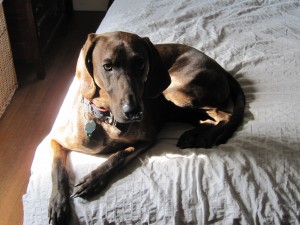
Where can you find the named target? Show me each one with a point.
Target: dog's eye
(140, 64)
(108, 67)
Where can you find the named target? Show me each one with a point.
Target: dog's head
(117, 70)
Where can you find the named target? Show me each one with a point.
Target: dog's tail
(236, 119)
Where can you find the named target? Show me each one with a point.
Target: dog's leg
(206, 134)
(59, 211)
(217, 116)
(94, 182)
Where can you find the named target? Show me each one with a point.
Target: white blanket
(252, 179)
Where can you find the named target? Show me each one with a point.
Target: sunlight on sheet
(170, 156)
(69, 100)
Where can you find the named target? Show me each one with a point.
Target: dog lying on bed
(130, 88)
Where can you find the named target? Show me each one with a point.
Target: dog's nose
(132, 112)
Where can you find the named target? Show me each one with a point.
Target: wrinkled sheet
(252, 179)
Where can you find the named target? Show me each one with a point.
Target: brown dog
(129, 89)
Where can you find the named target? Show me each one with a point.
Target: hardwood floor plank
(29, 117)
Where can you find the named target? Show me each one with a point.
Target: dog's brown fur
(143, 86)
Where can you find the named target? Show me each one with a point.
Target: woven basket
(8, 80)
(2, 20)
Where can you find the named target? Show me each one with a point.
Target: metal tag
(89, 128)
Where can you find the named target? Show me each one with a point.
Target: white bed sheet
(252, 179)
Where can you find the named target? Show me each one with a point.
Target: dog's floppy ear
(84, 68)
(158, 78)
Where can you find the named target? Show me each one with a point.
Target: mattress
(252, 179)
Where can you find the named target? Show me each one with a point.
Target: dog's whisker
(78, 184)
(75, 195)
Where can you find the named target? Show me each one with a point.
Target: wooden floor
(33, 109)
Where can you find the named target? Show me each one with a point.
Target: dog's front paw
(90, 185)
(59, 211)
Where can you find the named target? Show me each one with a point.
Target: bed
(252, 179)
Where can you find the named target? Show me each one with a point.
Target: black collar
(101, 115)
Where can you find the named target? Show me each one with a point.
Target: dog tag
(89, 128)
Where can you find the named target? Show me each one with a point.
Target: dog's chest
(108, 139)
